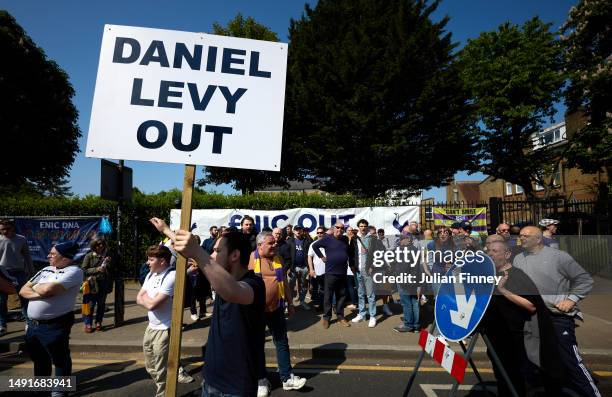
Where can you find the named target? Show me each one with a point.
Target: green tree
(588, 53)
(515, 77)
(241, 179)
(374, 98)
(37, 118)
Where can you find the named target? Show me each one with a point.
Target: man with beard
(235, 345)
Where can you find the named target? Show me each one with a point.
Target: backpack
(143, 273)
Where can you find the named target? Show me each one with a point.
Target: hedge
(136, 232)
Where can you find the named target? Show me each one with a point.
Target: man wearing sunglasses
(337, 256)
(503, 230)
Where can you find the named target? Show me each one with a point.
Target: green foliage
(374, 99)
(515, 76)
(246, 28)
(137, 234)
(243, 180)
(37, 117)
(588, 47)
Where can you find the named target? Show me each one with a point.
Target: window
(518, 189)
(429, 213)
(508, 189)
(557, 176)
(549, 137)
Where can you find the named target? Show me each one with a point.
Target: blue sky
(70, 32)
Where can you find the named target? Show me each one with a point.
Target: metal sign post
(461, 303)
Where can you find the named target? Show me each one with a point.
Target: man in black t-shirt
(516, 299)
(236, 338)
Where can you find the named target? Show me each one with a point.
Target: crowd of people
(530, 321)
(259, 279)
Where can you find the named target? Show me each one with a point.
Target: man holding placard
(235, 344)
(196, 98)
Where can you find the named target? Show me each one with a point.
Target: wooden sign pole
(176, 328)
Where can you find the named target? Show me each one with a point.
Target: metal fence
(584, 229)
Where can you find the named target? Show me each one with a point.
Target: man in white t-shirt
(156, 296)
(52, 295)
(316, 268)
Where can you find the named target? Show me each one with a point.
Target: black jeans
(334, 284)
(48, 344)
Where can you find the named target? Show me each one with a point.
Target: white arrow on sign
(465, 306)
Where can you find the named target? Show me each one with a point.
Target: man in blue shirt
(209, 243)
(235, 344)
(337, 258)
(298, 246)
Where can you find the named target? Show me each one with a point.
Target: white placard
(188, 98)
(391, 219)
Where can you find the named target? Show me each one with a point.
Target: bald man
(282, 248)
(562, 282)
(514, 249)
(337, 257)
(494, 238)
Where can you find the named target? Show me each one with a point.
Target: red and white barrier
(437, 348)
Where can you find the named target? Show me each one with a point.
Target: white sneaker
(194, 317)
(372, 322)
(184, 377)
(386, 310)
(358, 319)
(263, 388)
(293, 383)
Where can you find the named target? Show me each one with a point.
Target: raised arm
(221, 281)
(163, 228)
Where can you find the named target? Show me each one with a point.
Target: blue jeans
(21, 280)
(98, 300)
(278, 328)
(48, 344)
(209, 391)
(410, 304)
(365, 289)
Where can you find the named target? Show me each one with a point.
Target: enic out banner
(392, 219)
(44, 233)
(447, 216)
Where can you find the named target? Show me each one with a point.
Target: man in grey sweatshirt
(562, 282)
(15, 260)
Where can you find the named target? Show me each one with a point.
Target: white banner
(188, 98)
(389, 218)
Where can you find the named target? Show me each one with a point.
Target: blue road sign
(464, 295)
